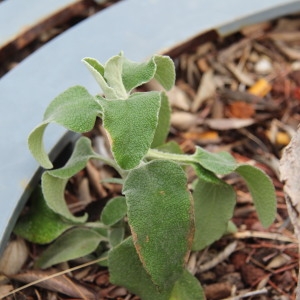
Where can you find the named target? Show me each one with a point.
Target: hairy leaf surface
(220, 163)
(187, 287)
(113, 75)
(213, 205)
(53, 190)
(75, 243)
(131, 124)
(161, 218)
(127, 270)
(165, 71)
(135, 74)
(114, 211)
(36, 146)
(82, 153)
(116, 235)
(75, 109)
(40, 225)
(163, 126)
(97, 70)
(262, 192)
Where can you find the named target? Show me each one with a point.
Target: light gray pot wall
(139, 28)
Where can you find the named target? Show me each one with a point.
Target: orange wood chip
(206, 136)
(240, 109)
(260, 88)
(280, 138)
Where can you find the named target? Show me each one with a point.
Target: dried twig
(264, 235)
(53, 276)
(248, 294)
(219, 258)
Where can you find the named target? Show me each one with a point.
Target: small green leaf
(187, 288)
(75, 109)
(159, 67)
(53, 190)
(82, 152)
(113, 180)
(36, 146)
(262, 192)
(131, 124)
(213, 207)
(170, 147)
(165, 71)
(95, 64)
(135, 74)
(113, 76)
(161, 218)
(40, 225)
(116, 235)
(205, 174)
(220, 163)
(126, 270)
(75, 243)
(97, 70)
(163, 125)
(114, 211)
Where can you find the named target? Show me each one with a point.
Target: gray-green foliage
(166, 220)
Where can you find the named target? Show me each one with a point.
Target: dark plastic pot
(140, 29)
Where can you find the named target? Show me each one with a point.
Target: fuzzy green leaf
(113, 180)
(220, 163)
(97, 70)
(131, 124)
(53, 190)
(126, 270)
(159, 67)
(170, 147)
(75, 109)
(135, 74)
(161, 219)
(213, 207)
(165, 71)
(82, 153)
(113, 76)
(163, 125)
(36, 146)
(116, 235)
(75, 243)
(187, 288)
(95, 64)
(262, 192)
(114, 211)
(40, 225)
(205, 174)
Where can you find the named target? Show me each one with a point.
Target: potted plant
(166, 219)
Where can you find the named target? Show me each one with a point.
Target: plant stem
(181, 158)
(96, 225)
